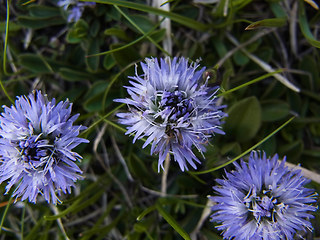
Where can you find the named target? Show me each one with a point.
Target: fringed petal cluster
(173, 109)
(262, 199)
(37, 138)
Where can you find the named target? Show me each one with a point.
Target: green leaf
(125, 56)
(129, 44)
(108, 62)
(12, 27)
(232, 148)
(146, 211)
(91, 194)
(273, 110)
(73, 75)
(78, 32)
(116, 32)
(173, 223)
(94, 96)
(93, 61)
(41, 11)
(185, 21)
(38, 23)
(144, 23)
(311, 79)
(158, 35)
(240, 59)
(37, 64)
(270, 22)
(292, 150)
(248, 83)
(140, 228)
(269, 147)
(304, 26)
(277, 9)
(244, 119)
(94, 28)
(128, 18)
(247, 151)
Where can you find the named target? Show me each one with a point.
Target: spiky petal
(36, 141)
(173, 109)
(262, 199)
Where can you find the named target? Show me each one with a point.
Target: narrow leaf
(304, 26)
(248, 150)
(146, 211)
(270, 22)
(173, 223)
(145, 8)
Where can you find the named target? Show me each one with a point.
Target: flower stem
(165, 175)
(5, 213)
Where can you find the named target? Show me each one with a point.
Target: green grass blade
(33, 233)
(185, 21)
(147, 34)
(111, 84)
(247, 151)
(270, 22)
(5, 53)
(140, 30)
(173, 223)
(121, 129)
(5, 91)
(6, 40)
(5, 213)
(82, 134)
(97, 226)
(146, 211)
(304, 26)
(197, 178)
(250, 82)
(77, 207)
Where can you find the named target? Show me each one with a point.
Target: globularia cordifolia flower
(74, 8)
(171, 106)
(36, 141)
(262, 199)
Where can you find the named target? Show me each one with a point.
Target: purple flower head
(36, 141)
(173, 109)
(74, 8)
(262, 199)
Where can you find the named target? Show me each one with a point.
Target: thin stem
(56, 212)
(165, 176)
(22, 219)
(5, 53)
(5, 213)
(6, 40)
(140, 30)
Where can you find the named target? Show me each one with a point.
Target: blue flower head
(173, 109)
(74, 8)
(262, 199)
(36, 141)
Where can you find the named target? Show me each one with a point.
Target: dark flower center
(34, 150)
(263, 206)
(174, 105)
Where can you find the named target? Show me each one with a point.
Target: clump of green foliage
(263, 54)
